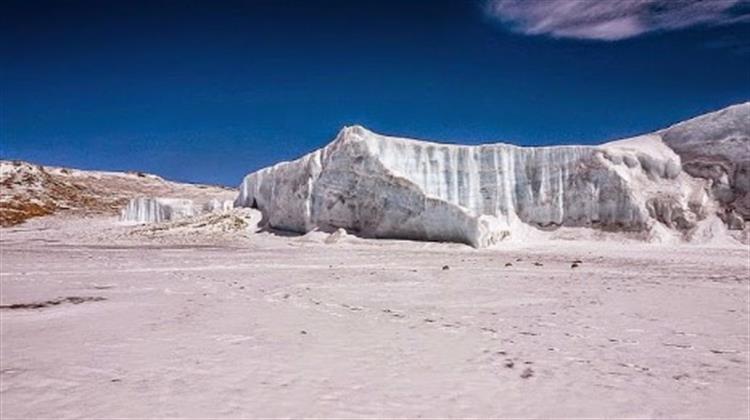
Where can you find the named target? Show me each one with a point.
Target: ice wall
(215, 205)
(381, 186)
(160, 209)
(157, 209)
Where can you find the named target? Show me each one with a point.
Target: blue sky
(209, 91)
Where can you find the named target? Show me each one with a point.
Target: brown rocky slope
(28, 190)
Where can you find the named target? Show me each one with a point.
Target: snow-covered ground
(206, 318)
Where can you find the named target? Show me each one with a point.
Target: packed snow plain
(211, 317)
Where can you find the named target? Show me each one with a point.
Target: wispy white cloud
(611, 20)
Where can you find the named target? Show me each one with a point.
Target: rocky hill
(28, 190)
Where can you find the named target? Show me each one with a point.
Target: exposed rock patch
(75, 300)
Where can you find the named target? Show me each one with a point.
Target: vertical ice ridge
(391, 187)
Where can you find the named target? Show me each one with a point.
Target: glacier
(161, 209)
(390, 187)
(215, 205)
(157, 209)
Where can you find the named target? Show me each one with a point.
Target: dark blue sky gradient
(209, 91)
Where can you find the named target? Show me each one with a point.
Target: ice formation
(716, 147)
(160, 209)
(389, 187)
(157, 209)
(215, 205)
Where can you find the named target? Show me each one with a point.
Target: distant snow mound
(217, 223)
(388, 187)
(716, 147)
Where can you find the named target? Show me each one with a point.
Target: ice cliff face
(161, 209)
(390, 187)
(214, 206)
(154, 210)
